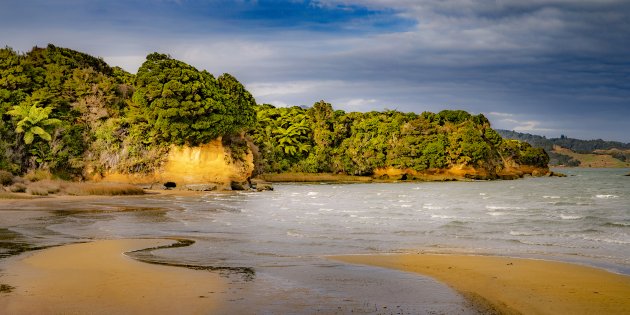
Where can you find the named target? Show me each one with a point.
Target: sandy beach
(97, 278)
(516, 286)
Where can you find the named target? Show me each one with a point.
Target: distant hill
(576, 152)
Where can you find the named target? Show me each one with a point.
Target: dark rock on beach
(202, 187)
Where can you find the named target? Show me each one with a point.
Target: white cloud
(497, 114)
(361, 102)
(279, 89)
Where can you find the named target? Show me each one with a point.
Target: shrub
(110, 190)
(50, 186)
(6, 178)
(37, 191)
(37, 175)
(17, 188)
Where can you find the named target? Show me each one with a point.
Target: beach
(516, 286)
(97, 278)
(270, 252)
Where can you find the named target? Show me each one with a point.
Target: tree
(33, 121)
(174, 103)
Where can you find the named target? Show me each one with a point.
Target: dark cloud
(542, 66)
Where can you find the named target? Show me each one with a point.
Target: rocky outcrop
(206, 167)
(508, 171)
(201, 187)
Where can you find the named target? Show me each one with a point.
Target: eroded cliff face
(207, 163)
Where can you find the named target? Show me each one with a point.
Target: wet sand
(97, 278)
(78, 203)
(517, 286)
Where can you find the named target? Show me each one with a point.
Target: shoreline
(44, 203)
(515, 285)
(99, 278)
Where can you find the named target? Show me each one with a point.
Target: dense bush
(320, 139)
(6, 178)
(69, 113)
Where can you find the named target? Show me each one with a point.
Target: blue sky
(546, 67)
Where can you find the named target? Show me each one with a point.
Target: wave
(431, 207)
(607, 240)
(617, 224)
(496, 213)
(606, 196)
(551, 197)
(441, 216)
(503, 208)
(523, 233)
(571, 217)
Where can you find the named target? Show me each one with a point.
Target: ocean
(273, 245)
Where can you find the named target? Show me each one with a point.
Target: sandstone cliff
(207, 163)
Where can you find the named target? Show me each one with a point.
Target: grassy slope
(592, 160)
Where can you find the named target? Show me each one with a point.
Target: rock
(537, 173)
(260, 184)
(170, 185)
(554, 174)
(263, 187)
(201, 187)
(627, 174)
(509, 176)
(239, 185)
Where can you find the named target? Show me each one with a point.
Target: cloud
(361, 102)
(500, 114)
(551, 64)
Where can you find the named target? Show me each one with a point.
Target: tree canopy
(67, 111)
(320, 139)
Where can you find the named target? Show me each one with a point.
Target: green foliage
(70, 113)
(359, 143)
(32, 120)
(174, 103)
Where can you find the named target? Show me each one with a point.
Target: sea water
(285, 234)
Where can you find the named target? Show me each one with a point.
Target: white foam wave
(606, 196)
(405, 206)
(551, 197)
(503, 208)
(429, 206)
(607, 240)
(496, 213)
(312, 193)
(441, 216)
(570, 217)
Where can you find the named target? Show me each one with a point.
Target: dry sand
(97, 278)
(517, 286)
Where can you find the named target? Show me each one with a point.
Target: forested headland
(74, 116)
(566, 151)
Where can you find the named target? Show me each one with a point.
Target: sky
(546, 67)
